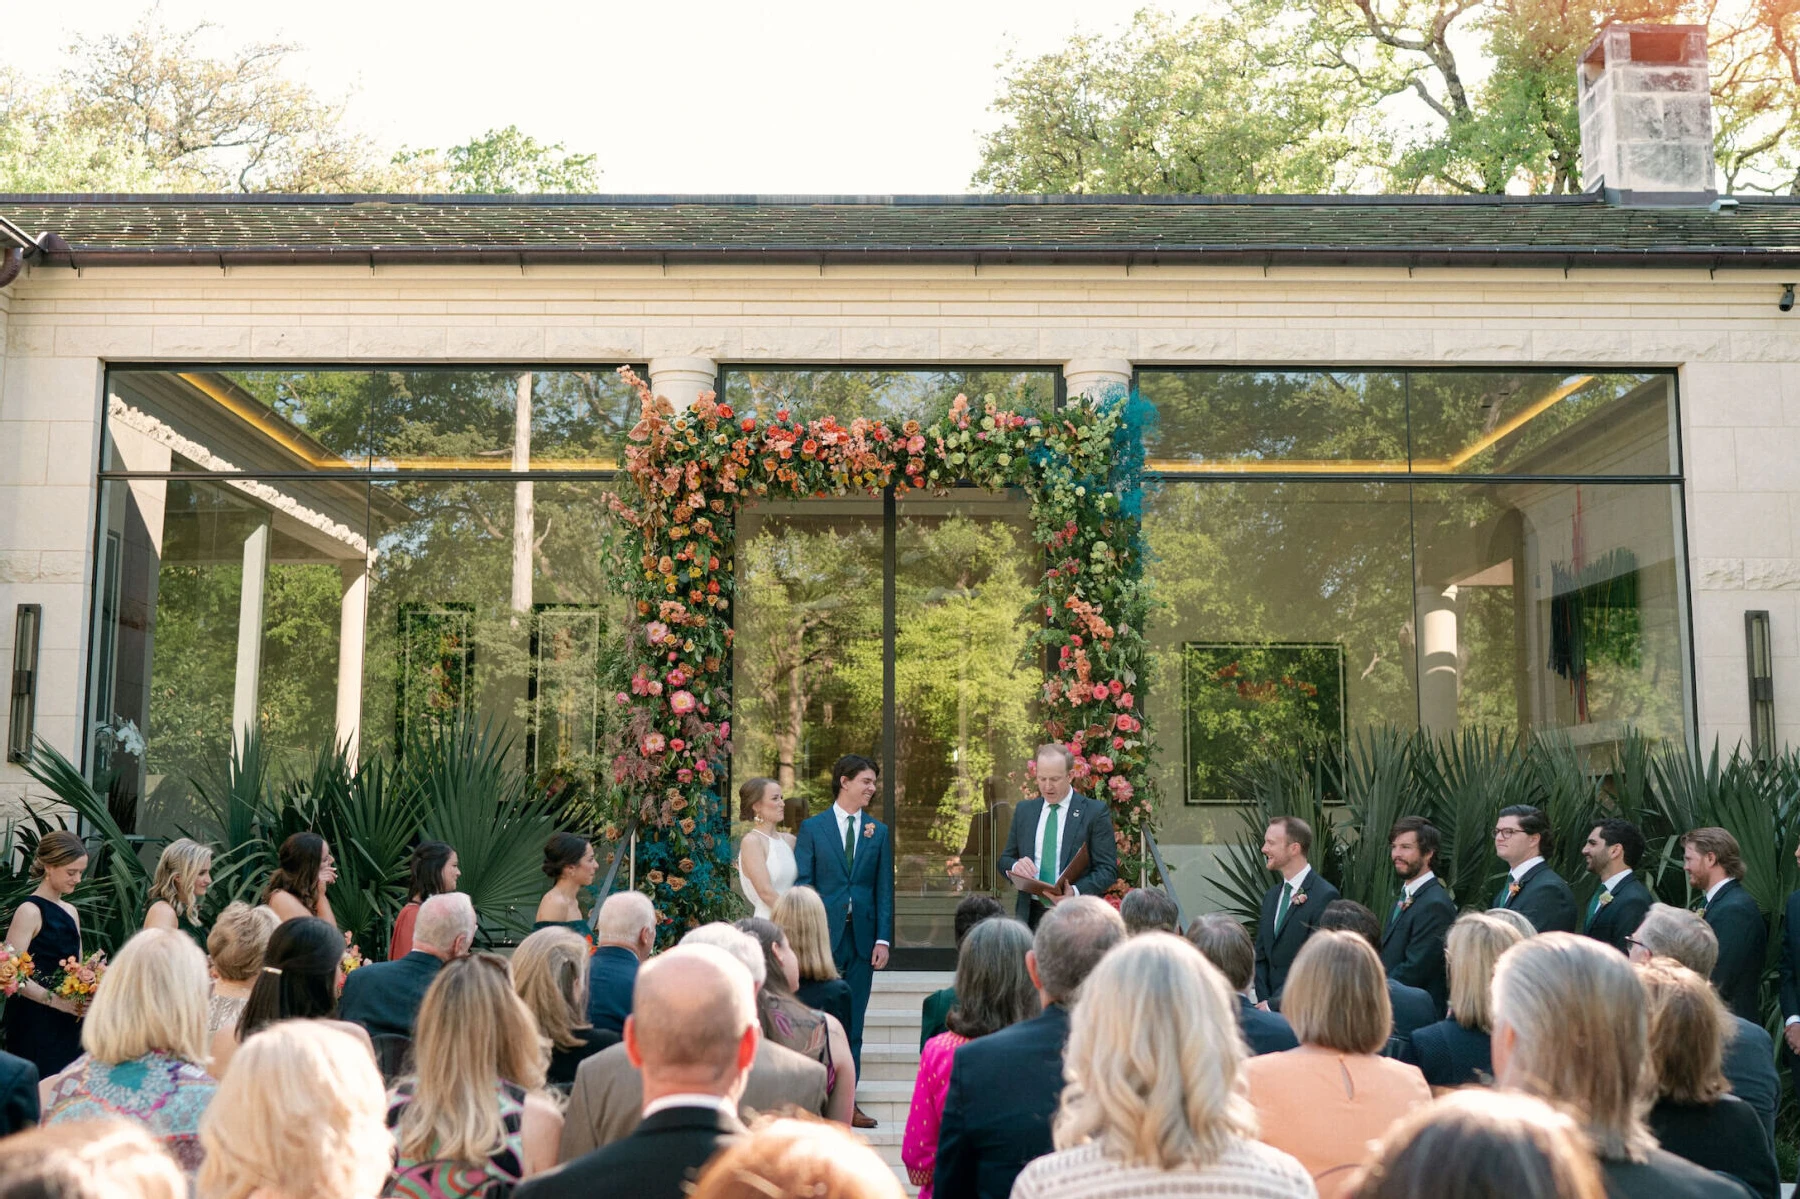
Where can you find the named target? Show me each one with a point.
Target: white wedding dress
(783, 870)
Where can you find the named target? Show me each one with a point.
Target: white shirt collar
(843, 815)
(719, 1103)
(1716, 888)
(1519, 871)
(1299, 879)
(1612, 884)
(1412, 888)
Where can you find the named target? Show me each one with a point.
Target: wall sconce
(1760, 659)
(26, 626)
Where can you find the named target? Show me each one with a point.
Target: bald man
(692, 1034)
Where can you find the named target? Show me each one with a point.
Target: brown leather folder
(1074, 872)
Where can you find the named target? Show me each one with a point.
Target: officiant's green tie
(1281, 906)
(1047, 862)
(850, 843)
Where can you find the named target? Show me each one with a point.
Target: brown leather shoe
(861, 1119)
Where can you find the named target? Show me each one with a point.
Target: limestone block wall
(1738, 361)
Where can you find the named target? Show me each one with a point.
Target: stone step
(891, 1026)
(923, 981)
(893, 1061)
(888, 1100)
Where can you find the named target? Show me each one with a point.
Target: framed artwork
(564, 687)
(437, 665)
(1237, 697)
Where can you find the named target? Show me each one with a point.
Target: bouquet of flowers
(353, 960)
(15, 968)
(76, 979)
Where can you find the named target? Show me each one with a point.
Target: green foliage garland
(1082, 470)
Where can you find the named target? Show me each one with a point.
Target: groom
(849, 860)
(1047, 833)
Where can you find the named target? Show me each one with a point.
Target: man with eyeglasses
(1532, 888)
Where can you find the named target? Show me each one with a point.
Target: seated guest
(18, 1094)
(434, 871)
(550, 972)
(798, 1157)
(235, 945)
(994, 991)
(145, 1037)
(1695, 1114)
(692, 1035)
(384, 997)
(1224, 943)
(1455, 1052)
(608, 1099)
(299, 978)
(800, 913)
(624, 935)
(1520, 923)
(1148, 910)
(570, 865)
(88, 1159)
(1482, 1145)
(300, 1117)
(1413, 1007)
(183, 877)
(1153, 1105)
(1005, 1087)
(1571, 1027)
(970, 911)
(1325, 1101)
(1749, 1055)
(787, 1021)
(475, 1119)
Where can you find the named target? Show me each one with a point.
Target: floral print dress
(160, 1093)
(440, 1178)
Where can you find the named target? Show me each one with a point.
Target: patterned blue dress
(160, 1093)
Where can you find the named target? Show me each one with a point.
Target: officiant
(1061, 844)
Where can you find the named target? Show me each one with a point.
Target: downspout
(23, 244)
(14, 263)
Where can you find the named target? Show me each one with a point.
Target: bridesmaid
(434, 872)
(40, 1027)
(297, 888)
(183, 877)
(570, 865)
(766, 866)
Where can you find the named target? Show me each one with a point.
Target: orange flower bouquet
(15, 968)
(76, 979)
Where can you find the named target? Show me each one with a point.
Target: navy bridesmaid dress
(43, 1036)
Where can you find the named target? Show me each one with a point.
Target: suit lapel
(1065, 844)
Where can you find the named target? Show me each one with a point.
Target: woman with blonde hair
(301, 974)
(1455, 1052)
(1482, 1144)
(1153, 1103)
(145, 1037)
(300, 1117)
(1695, 1115)
(183, 877)
(235, 949)
(474, 1119)
(798, 1157)
(550, 972)
(1325, 1101)
(42, 1028)
(1571, 1026)
(801, 915)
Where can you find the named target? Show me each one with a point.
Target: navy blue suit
(1620, 916)
(1414, 1008)
(1275, 952)
(1743, 945)
(1412, 947)
(859, 901)
(1265, 1032)
(1088, 823)
(1542, 898)
(612, 973)
(18, 1094)
(1004, 1089)
(384, 997)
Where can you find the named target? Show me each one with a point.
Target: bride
(766, 866)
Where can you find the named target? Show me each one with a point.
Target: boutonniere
(1513, 891)
(1606, 899)
(868, 831)
(1405, 902)
(1299, 899)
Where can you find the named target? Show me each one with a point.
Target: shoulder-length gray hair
(993, 985)
(1154, 1057)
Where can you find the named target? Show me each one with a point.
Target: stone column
(681, 380)
(1438, 661)
(353, 617)
(524, 500)
(247, 682)
(1095, 376)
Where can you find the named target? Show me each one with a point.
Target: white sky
(785, 96)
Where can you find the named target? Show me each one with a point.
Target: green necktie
(850, 843)
(1047, 861)
(1281, 906)
(1593, 907)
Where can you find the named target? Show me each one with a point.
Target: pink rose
(677, 744)
(684, 775)
(1121, 788)
(656, 632)
(655, 743)
(677, 677)
(622, 698)
(683, 702)
(1100, 764)
(1125, 701)
(1118, 688)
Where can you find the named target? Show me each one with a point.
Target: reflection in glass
(1538, 423)
(891, 395)
(1246, 420)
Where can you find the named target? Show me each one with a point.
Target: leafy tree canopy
(155, 109)
(1457, 96)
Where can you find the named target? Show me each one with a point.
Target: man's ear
(1031, 968)
(631, 1045)
(747, 1047)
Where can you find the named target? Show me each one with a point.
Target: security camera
(1786, 303)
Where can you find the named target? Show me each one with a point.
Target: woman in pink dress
(993, 990)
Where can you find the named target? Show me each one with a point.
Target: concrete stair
(890, 1056)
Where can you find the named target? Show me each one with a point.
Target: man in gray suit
(1048, 832)
(607, 1102)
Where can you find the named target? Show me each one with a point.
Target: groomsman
(1290, 909)
(1532, 889)
(849, 860)
(1715, 866)
(1412, 948)
(1612, 851)
(1048, 832)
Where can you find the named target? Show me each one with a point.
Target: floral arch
(1081, 468)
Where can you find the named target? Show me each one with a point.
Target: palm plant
(1293, 781)
(1379, 786)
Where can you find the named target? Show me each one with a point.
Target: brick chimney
(1646, 116)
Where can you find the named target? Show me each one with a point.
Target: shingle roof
(1406, 230)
